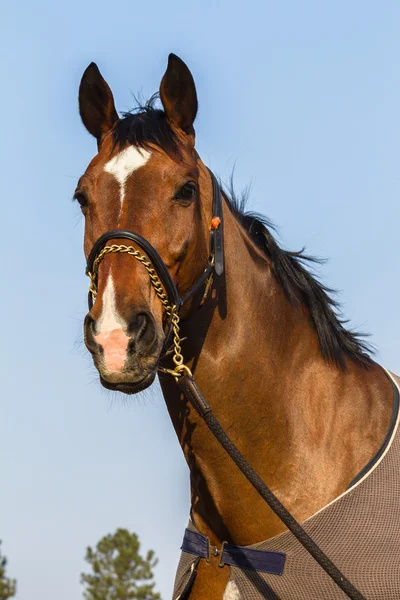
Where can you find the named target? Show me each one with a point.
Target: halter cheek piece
(160, 277)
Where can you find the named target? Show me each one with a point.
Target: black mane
(336, 342)
(147, 125)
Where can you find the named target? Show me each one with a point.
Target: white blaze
(111, 327)
(123, 164)
(111, 331)
(109, 319)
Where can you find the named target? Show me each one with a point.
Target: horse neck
(304, 425)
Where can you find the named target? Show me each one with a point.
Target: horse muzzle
(125, 353)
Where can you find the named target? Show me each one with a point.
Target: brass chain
(171, 310)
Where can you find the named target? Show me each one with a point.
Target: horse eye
(187, 192)
(81, 198)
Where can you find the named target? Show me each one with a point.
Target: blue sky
(304, 97)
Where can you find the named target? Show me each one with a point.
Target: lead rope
(185, 380)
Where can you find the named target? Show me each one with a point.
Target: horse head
(146, 178)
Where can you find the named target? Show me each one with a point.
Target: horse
(298, 393)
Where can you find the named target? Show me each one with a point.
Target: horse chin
(130, 387)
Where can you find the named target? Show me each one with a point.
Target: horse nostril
(137, 325)
(90, 329)
(142, 331)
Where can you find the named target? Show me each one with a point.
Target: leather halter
(215, 261)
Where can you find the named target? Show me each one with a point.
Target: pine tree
(8, 587)
(119, 571)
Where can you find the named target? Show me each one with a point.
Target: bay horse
(297, 392)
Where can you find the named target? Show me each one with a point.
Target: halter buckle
(214, 551)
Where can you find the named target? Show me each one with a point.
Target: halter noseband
(158, 272)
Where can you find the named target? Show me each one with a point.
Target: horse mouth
(128, 387)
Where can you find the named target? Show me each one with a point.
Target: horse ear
(96, 103)
(178, 94)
